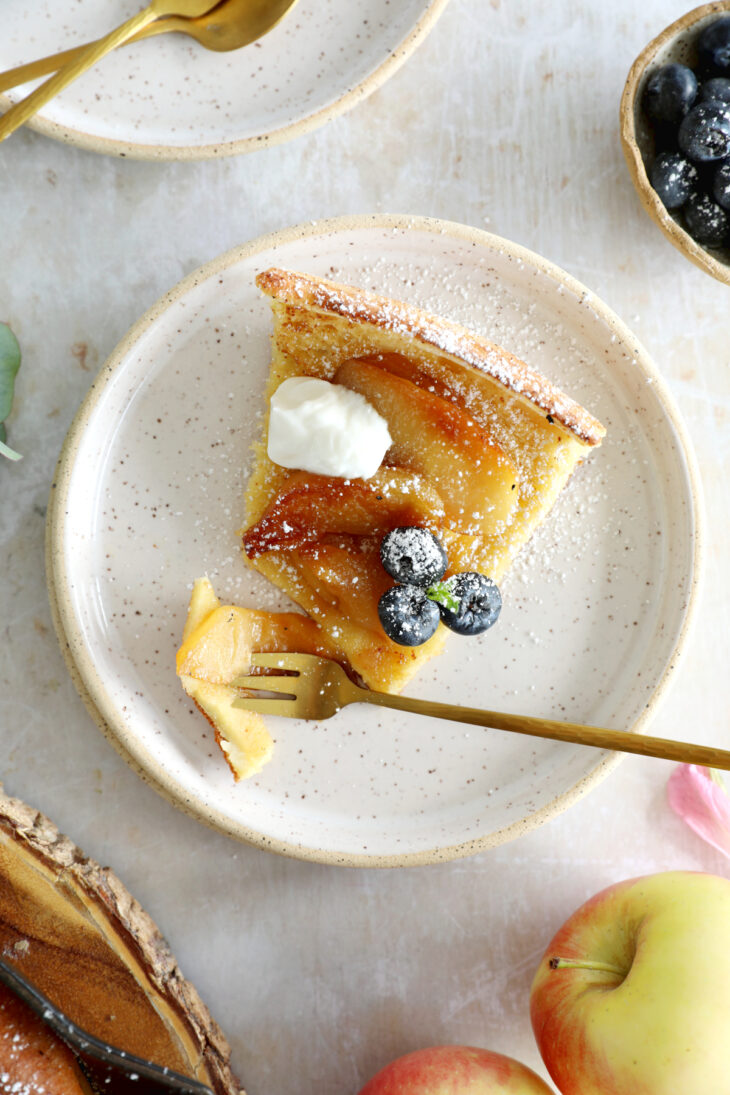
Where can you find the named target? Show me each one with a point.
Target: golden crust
(362, 306)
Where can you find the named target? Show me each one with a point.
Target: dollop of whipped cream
(325, 428)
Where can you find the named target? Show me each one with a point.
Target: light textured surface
(505, 118)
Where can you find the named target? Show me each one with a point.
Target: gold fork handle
(619, 740)
(23, 74)
(89, 56)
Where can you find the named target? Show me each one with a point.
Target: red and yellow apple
(455, 1070)
(632, 996)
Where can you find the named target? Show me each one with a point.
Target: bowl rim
(110, 146)
(634, 159)
(85, 677)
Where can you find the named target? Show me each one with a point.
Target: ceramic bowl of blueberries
(675, 132)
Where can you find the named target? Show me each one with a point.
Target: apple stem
(570, 963)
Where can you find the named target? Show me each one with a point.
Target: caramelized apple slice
(312, 506)
(348, 578)
(345, 584)
(221, 647)
(441, 441)
(203, 601)
(403, 366)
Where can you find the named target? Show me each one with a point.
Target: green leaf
(9, 365)
(441, 593)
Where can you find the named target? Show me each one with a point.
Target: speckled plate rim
(83, 671)
(110, 147)
(634, 159)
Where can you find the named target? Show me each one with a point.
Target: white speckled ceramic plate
(169, 98)
(148, 496)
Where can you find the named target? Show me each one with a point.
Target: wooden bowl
(676, 43)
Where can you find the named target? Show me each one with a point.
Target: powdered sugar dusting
(402, 318)
(413, 555)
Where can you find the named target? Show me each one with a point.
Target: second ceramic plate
(148, 497)
(169, 98)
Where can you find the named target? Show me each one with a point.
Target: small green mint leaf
(441, 593)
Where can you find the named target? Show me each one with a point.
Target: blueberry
(665, 137)
(670, 93)
(704, 134)
(705, 221)
(674, 178)
(407, 615)
(413, 554)
(721, 185)
(713, 46)
(479, 600)
(716, 90)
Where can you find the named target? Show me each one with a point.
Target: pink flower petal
(701, 801)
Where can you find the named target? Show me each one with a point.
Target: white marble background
(506, 118)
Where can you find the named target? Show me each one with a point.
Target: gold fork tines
(316, 688)
(311, 684)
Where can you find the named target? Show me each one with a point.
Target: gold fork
(29, 106)
(230, 25)
(317, 688)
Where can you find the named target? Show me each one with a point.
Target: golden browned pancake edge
(363, 306)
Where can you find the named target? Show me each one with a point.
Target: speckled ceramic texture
(148, 496)
(169, 98)
(677, 43)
